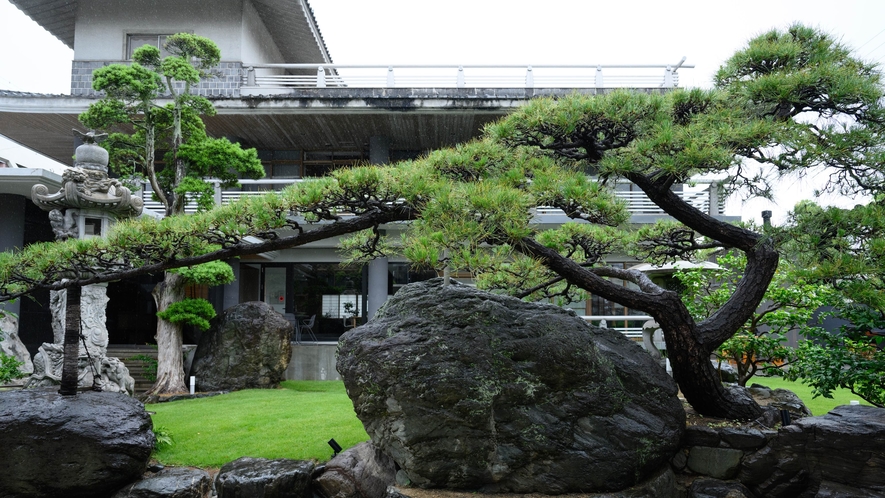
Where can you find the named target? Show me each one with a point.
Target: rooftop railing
(702, 194)
(290, 76)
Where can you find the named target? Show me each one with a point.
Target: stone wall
(837, 454)
(225, 84)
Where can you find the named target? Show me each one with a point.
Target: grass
(819, 405)
(295, 422)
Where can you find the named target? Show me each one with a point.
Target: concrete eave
(19, 181)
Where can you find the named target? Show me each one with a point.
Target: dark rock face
(780, 399)
(844, 449)
(181, 482)
(713, 488)
(88, 445)
(661, 484)
(359, 472)
(470, 390)
(247, 348)
(257, 477)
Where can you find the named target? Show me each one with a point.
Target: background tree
(845, 249)
(790, 304)
(134, 98)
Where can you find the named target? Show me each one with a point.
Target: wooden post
(69, 372)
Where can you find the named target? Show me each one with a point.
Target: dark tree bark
(689, 344)
(69, 371)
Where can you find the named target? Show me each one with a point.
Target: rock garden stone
(247, 348)
(744, 438)
(88, 445)
(469, 390)
(661, 484)
(705, 487)
(261, 478)
(719, 463)
(11, 345)
(359, 472)
(842, 449)
(700, 435)
(180, 482)
(780, 399)
(727, 373)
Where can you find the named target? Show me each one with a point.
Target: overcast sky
(509, 32)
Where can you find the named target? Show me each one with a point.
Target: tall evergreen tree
(134, 96)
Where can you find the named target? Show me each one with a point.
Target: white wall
(102, 25)
(257, 44)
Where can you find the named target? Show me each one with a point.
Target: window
(135, 41)
(599, 306)
(323, 163)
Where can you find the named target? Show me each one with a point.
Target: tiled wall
(226, 83)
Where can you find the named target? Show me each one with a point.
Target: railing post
(460, 82)
(250, 76)
(714, 199)
(529, 78)
(668, 77)
(599, 82)
(390, 80)
(321, 77)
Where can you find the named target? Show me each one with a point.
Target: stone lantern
(86, 206)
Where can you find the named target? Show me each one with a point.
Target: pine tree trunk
(695, 374)
(69, 371)
(170, 364)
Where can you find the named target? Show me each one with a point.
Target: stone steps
(137, 368)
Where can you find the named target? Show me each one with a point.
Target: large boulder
(88, 445)
(247, 348)
(844, 449)
(253, 477)
(179, 482)
(469, 390)
(359, 472)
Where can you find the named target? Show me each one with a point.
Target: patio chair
(307, 325)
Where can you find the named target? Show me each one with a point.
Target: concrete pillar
(12, 236)
(231, 292)
(714, 199)
(377, 284)
(379, 153)
(379, 150)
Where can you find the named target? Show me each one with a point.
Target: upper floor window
(135, 41)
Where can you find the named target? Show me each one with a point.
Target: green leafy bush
(196, 312)
(162, 438)
(9, 368)
(150, 365)
(851, 360)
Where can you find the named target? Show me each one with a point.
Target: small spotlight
(335, 447)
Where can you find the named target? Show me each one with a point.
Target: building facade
(277, 90)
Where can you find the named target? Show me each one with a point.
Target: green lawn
(295, 421)
(819, 405)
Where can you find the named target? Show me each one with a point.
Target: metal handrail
(258, 75)
(706, 199)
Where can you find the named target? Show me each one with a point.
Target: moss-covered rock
(470, 390)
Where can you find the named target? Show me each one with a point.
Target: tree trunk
(689, 345)
(69, 371)
(170, 365)
(695, 373)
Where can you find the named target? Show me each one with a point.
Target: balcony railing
(290, 76)
(703, 195)
(614, 322)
